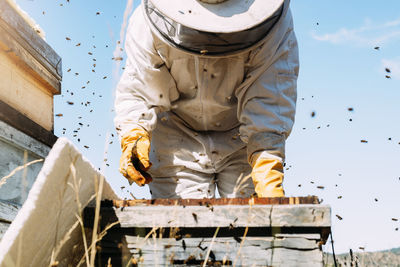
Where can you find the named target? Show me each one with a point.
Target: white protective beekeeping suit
(208, 112)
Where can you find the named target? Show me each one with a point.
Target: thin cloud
(118, 52)
(393, 23)
(367, 35)
(394, 66)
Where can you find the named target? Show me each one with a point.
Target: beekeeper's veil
(213, 27)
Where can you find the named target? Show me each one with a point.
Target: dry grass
(4, 179)
(390, 258)
(89, 256)
(210, 247)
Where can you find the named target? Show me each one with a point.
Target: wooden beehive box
(215, 232)
(30, 70)
(30, 75)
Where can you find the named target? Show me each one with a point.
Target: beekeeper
(208, 97)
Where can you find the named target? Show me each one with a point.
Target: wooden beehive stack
(214, 232)
(160, 232)
(30, 75)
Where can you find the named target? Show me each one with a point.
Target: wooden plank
(8, 211)
(288, 250)
(3, 228)
(21, 142)
(26, 60)
(16, 188)
(25, 93)
(302, 215)
(305, 242)
(215, 201)
(20, 122)
(18, 35)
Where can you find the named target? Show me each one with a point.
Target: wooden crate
(223, 232)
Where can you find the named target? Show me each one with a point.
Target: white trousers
(188, 164)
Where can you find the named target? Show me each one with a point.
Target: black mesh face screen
(208, 43)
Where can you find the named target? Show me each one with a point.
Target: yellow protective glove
(134, 161)
(267, 175)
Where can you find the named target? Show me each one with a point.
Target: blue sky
(340, 69)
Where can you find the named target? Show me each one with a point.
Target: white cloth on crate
(206, 114)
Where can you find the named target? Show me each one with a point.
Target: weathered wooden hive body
(30, 75)
(220, 232)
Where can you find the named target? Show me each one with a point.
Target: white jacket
(251, 95)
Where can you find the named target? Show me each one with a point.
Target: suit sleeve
(146, 86)
(267, 100)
